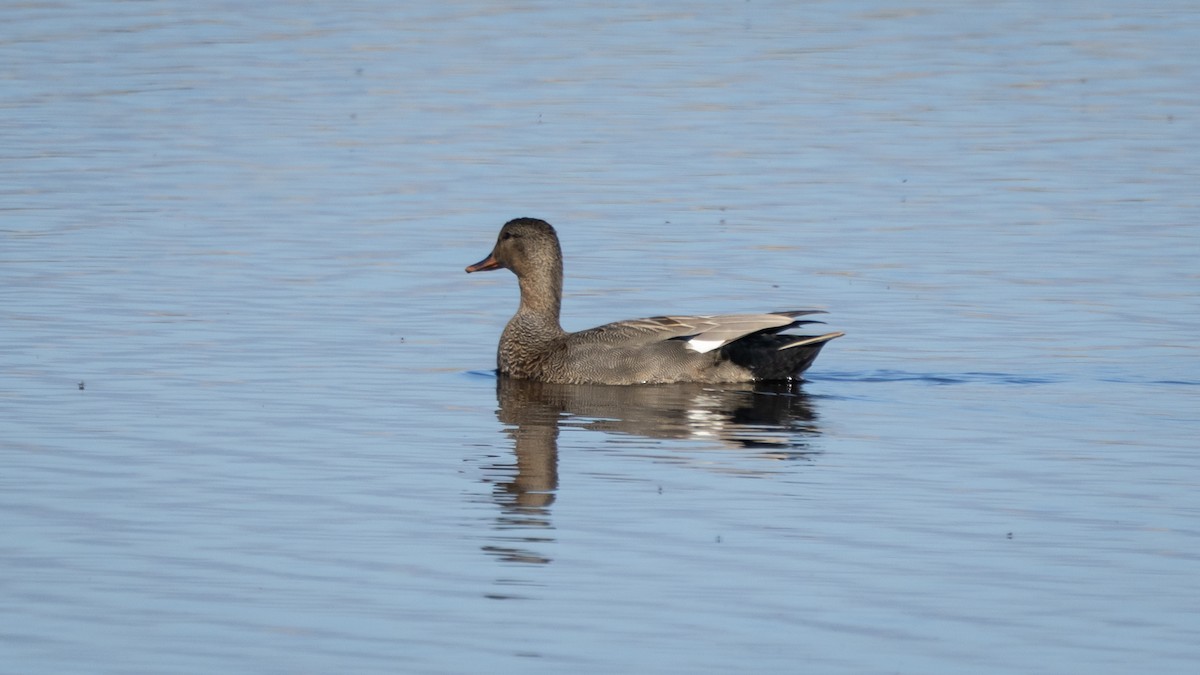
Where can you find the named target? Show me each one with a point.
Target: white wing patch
(704, 346)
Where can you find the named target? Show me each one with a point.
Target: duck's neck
(541, 294)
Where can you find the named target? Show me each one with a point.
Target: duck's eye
(507, 235)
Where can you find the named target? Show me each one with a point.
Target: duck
(714, 349)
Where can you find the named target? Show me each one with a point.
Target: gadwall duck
(657, 350)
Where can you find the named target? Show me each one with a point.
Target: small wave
(1135, 380)
(931, 378)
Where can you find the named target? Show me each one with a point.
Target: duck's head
(524, 245)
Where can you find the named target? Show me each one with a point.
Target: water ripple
(932, 378)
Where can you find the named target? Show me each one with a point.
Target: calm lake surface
(249, 424)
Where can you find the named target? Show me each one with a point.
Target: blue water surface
(248, 421)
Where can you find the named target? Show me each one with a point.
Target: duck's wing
(700, 333)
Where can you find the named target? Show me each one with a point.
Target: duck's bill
(487, 264)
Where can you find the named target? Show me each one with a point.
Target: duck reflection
(774, 420)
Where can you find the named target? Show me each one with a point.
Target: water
(247, 418)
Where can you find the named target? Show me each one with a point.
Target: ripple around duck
(888, 375)
(928, 378)
(932, 378)
(1133, 380)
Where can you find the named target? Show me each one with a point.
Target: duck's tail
(778, 357)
